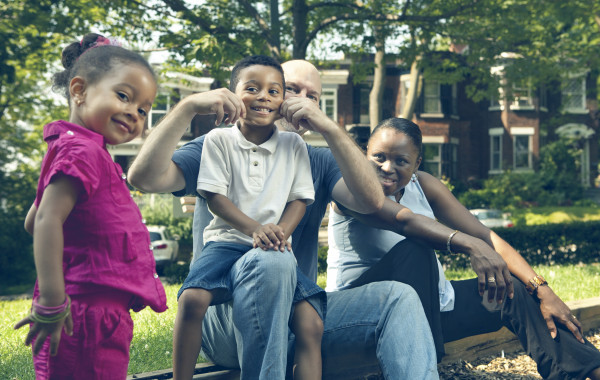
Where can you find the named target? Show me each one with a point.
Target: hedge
(548, 244)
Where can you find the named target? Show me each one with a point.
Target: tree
(33, 35)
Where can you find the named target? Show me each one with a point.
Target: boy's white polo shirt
(259, 179)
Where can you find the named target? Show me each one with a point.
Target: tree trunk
(275, 29)
(414, 90)
(299, 17)
(376, 94)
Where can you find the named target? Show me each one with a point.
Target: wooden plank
(206, 371)
(587, 311)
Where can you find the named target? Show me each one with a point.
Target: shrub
(556, 182)
(547, 244)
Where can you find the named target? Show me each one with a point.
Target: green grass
(151, 348)
(569, 282)
(544, 215)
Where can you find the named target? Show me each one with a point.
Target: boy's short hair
(252, 60)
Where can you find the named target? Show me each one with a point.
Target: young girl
(257, 182)
(91, 249)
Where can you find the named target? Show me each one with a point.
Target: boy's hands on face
(225, 104)
(270, 236)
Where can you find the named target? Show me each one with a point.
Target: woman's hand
(41, 331)
(270, 236)
(554, 309)
(492, 272)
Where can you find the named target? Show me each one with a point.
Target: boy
(244, 177)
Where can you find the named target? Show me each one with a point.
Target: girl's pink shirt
(106, 244)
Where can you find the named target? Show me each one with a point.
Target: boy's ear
(77, 89)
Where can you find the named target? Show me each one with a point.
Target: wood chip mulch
(514, 366)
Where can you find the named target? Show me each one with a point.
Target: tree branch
(264, 27)
(204, 23)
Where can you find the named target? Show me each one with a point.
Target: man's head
(301, 79)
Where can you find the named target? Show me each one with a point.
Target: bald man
(380, 327)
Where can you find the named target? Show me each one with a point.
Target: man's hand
(270, 236)
(305, 113)
(492, 272)
(225, 104)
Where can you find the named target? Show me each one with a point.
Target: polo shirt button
(255, 163)
(155, 275)
(70, 133)
(254, 149)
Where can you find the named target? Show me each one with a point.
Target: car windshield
(154, 236)
(489, 214)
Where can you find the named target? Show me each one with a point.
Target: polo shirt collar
(56, 128)
(270, 145)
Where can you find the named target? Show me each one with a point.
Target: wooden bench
(587, 311)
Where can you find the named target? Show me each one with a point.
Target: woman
(360, 253)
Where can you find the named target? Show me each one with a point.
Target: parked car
(492, 218)
(164, 246)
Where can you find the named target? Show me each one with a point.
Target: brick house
(462, 139)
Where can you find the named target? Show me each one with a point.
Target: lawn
(555, 214)
(151, 347)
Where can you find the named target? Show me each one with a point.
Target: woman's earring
(414, 178)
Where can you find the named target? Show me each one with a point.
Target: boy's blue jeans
(379, 326)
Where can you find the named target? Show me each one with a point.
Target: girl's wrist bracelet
(50, 311)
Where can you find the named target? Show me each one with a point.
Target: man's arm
(153, 170)
(359, 189)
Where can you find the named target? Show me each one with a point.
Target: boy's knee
(193, 302)
(307, 324)
(275, 263)
(310, 330)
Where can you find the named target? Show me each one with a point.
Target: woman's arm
(448, 210)
(452, 213)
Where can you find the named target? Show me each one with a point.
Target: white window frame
(582, 108)
(520, 132)
(434, 140)
(436, 97)
(158, 114)
(496, 134)
(330, 94)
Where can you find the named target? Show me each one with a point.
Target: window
(454, 99)
(161, 105)
(364, 105)
(496, 149)
(432, 159)
(431, 97)
(573, 94)
(329, 103)
(520, 95)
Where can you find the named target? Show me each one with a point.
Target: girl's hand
(41, 331)
(269, 236)
(554, 310)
